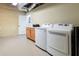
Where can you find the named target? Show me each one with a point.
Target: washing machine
(41, 36)
(59, 39)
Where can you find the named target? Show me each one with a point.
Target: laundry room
(39, 29)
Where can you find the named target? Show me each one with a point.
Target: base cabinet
(30, 33)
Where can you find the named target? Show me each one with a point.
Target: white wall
(56, 13)
(8, 21)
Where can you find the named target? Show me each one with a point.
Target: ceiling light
(14, 4)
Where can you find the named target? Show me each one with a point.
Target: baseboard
(30, 39)
(44, 50)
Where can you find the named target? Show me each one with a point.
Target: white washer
(41, 36)
(58, 39)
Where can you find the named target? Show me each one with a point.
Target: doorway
(22, 24)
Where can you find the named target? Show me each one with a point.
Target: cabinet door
(33, 34)
(28, 32)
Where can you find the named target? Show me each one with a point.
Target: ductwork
(27, 7)
(20, 6)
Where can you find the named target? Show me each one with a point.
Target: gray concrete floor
(19, 46)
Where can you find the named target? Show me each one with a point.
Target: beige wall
(8, 22)
(56, 13)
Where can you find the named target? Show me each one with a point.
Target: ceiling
(8, 6)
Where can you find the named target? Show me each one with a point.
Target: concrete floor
(19, 46)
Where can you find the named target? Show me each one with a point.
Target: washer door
(41, 38)
(58, 40)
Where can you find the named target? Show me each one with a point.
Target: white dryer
(59, 39)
